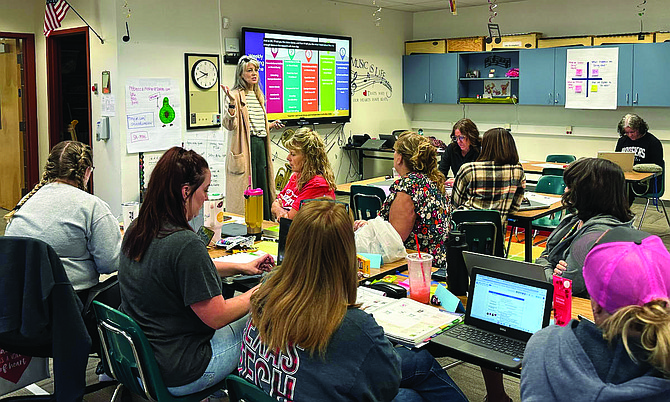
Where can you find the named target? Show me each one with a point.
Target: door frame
(31, 145)
(54, 89)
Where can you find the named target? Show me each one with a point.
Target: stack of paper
(405, 321)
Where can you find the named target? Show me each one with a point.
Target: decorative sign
(369, 83)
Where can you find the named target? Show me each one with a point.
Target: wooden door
(12, 162)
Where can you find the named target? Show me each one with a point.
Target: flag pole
(82, 18)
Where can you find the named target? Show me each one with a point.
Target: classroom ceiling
(421, 5)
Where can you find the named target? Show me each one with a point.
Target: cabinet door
(443, 78)
(650, 67)
(625, 76)
(560, 67)
(536, 77)
(416, 78)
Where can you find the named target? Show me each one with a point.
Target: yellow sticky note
(594, 88)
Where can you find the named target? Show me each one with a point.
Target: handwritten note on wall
(212, 145)
(591, 78)
(153, 114)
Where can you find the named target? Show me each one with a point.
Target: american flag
(54, 14)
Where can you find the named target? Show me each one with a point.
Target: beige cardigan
(238, 161)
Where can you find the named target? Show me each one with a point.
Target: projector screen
(305, 77)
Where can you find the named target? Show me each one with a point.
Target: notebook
(503, 312)
(623, 159)
(533, 201)
(512, 267)
(373, 144)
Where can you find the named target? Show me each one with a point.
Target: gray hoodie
(575, 363)
(561, 246)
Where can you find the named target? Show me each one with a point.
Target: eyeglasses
(303, 202)
(460, 138)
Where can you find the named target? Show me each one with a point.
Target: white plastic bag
(379, 237)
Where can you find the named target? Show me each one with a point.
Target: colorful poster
(591, 78)
(153, 114)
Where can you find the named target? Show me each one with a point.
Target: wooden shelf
(491, 100)
(494, 78)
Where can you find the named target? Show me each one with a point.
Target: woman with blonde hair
(307, 340)
(250, 154)
(59, 211)
(625, 354)
(417, 203)
(312, 176)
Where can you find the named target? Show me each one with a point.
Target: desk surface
(536, 167)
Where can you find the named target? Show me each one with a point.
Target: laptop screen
(511, 302)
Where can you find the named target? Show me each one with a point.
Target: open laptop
(503, 312)
(373, 144)
(512, 267)
(624, 159)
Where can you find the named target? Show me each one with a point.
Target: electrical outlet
(568, 129)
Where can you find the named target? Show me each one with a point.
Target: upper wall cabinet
(430, 78)
(542, 76)
(489, 70)
(651, 85)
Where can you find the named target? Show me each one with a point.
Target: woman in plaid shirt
(495, 181)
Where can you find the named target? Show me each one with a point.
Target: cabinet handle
(635, 100)
(425, 97)
(557, 96)
(431, 97)
(627, 96)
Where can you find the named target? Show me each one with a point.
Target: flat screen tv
(305, 77)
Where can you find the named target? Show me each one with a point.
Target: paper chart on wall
(153, 114)
(591, 78)
(211, 144)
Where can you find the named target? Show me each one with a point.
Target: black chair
(483, 230)
(366, 201)
(41, 315)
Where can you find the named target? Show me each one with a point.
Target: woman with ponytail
(417, 203)
(59, 211)
(625, 354)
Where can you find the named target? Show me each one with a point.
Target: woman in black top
(464, 147)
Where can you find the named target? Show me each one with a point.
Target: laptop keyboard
(511, 347)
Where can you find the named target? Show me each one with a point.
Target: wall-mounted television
(305, 77)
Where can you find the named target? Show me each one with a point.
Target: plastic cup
(130, 212)
(419, 276)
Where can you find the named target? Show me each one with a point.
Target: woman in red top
(312, 176)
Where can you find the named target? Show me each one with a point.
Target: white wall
(540, 130)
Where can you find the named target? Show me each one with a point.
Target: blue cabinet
(651, 85)
(542, 76)
(430, 78)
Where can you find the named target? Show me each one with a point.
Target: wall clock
(203, 107)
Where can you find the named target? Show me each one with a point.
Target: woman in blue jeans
(307, 340)
(171, 287)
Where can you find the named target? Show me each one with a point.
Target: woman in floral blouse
(417, 203)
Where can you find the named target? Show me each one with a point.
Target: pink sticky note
(578, 89)
(578, 72)
(594, 72)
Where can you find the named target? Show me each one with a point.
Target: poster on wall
(212, 145)
(591, 78)
(153, 114)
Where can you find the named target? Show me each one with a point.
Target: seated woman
(305, 317)
(464, 147)
(595, 189)
(312, 176)
(170, 286)
(495, 181)
(417, 204)
(625, 354)
(79, 226)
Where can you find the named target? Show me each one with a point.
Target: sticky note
(594, 88)
(578, 89)
(578, 72)
(375, 259)
(447, 299)
(594, 72)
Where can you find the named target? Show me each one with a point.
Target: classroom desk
(536, 167)
(362, 155)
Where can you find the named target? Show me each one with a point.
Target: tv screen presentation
(305, 77)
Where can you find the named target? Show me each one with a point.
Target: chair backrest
(550, 185)
(482, 228)
(552, 172)
(366, 201)
(240, 389)
(558, 158)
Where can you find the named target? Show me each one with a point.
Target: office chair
(558, 158)
(240, 390)
(40, 315)
(128, 357)
(653, 194)
(366, 201)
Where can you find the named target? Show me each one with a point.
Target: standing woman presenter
(249, 152)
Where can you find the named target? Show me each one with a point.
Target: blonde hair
(651, 322)
(315, 160)
(304, 301)
(240, 83)
(419, 155)
(68, 161)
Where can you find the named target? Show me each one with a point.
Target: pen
(582, 318)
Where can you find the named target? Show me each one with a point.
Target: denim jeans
(226, 348)
(423, 379)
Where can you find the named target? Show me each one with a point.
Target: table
(362, 155)
(537, 166)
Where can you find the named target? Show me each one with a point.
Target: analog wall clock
(204, 73)
(202, 90)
